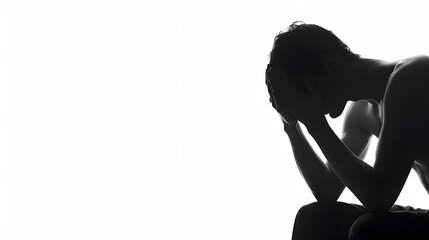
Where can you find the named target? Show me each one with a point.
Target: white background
(151, 120)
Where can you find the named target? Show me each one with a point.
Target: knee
(312, 220)
(309, 213)
(305, 219)
(369, 226)
(318, 212)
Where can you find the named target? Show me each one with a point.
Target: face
(332, 93)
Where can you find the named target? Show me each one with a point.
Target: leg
(390, 225)
(325, 221)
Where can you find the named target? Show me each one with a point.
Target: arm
(356, 135)
(324, 184)
(376, 187)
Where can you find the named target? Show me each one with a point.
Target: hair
(301, 48)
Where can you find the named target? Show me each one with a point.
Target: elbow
(329, 193)
(326, 197)
(378, 205)
(378, 199)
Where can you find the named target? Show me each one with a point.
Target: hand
(285, 115)
(305, 107)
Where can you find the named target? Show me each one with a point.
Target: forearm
(321, 180)
(352, 171)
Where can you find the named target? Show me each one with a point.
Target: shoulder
(408, 83)
(410, 72)
(406, 99)
(413, 61)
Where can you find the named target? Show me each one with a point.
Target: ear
(330, 63)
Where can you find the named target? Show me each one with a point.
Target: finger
(267, 82)
(268, 78)
(281, 109)
(281, 85)
(268, 73)
(270, 91)
(276, 92)
(272, 95)
(279, 101)
(279, 77)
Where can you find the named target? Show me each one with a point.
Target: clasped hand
(291, 103)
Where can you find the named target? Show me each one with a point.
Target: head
(308, 48)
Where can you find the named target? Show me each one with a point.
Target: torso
(373, 122)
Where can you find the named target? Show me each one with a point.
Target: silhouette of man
(312, 73)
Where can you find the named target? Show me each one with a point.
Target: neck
(368, 79)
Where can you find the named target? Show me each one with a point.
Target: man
(312, 73)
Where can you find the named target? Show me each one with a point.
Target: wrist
(291, 128)
(316, 125)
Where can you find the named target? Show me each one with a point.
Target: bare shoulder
(406, 100)
(419, 59)
(408, 85)
(412, 71)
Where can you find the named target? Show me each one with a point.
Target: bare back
(364, 119)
